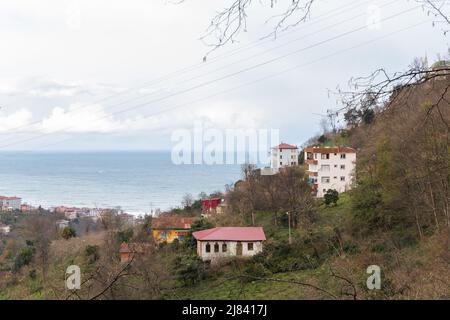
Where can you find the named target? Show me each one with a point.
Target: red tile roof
(9, 198)
(231, 234)
(330, 150)
(172, 222)
(285, 146)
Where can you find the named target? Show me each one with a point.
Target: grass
(222, 288)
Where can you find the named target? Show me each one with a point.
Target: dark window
(216, 247)
(342, 155)
(208, 247)
(250, 246)
(224, 247)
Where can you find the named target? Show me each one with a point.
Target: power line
(250, 82)
(194, 67)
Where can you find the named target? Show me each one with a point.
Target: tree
(197, 225)
(187, 201)
(68, 232)
(228, 23)
(188, 269)
(331, 197)
(23, 258)
(40, 228)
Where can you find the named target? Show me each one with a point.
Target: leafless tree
(229, 22)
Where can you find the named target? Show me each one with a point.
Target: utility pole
(289, 225)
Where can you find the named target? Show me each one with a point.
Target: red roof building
(211, 205)
(285, 146)
(223, 242)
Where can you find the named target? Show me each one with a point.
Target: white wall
(335, 172)
(231, 249)
(15, 204)
(288, 156)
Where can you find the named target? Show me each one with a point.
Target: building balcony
(311, 161)
(312, 173)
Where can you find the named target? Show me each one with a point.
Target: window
(342, 166)
(325, 167)
(325, 180)
(334, 177)
(208, 248)
(216, 247)
(224, 247)
(342, 178)
(343, 155)
(281, 163)
(315, 155)
(325, 156)
(281, 156)
(335, 165)
(250, 246)
(163, 235)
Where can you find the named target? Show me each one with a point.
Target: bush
(350, 247)
(23, 258)
(91, 252)
(68, 232)
(255, 269)
(331, 197)
(188, 269)
(125, 235)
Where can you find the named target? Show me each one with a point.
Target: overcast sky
(86, 75)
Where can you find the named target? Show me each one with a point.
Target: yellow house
(169, 228)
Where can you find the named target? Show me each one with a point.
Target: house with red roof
(284, 155)
(167, 228)
(212, 206)
(227, 242)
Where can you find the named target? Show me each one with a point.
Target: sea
(137, 182)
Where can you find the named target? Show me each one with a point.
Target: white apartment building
(10, 203)
(284, 155)
(330, 168)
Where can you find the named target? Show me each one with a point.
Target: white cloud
(15, 120)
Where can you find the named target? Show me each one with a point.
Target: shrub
(68, 232)
(125, 235)
(91, 252)
(23, 258)
(331, 197)
(188, 269)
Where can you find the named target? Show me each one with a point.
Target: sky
(120, 75)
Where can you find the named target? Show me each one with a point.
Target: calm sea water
(136, 181)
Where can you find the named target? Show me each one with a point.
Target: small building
(226, 242)
(167, 228)
(128, 251)
(4, 229)
(212, 205)
(10, 203)
(330, 168)
(283, 155)
(61, 224)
